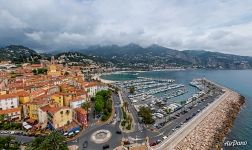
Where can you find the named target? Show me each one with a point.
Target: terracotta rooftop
(9, 111)
(75, 99)
(5, 96)
(89, 84)
(81, 110)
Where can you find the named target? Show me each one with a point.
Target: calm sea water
(237, 80)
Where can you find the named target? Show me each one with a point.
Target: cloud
(218, 25)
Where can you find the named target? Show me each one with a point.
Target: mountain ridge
(135, 56)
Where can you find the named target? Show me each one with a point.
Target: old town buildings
(47, 96)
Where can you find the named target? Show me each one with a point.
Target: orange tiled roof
(53, 110)
(77, 99)
(22, 93)
(5, 96)
(38, 102)
(36, 65)
(7, 111)
(45, 108)
(81, 110)
(89, 84)
(37, 92)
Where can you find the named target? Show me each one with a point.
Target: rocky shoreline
(210, 133)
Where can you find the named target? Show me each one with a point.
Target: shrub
(123, 123)
(128, 126)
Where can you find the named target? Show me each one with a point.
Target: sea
(237, 80)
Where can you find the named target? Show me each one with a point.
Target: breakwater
(210, 132)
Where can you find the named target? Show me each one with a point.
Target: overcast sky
(216, 25)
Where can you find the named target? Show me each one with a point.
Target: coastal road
(178, 136)
(20, 138)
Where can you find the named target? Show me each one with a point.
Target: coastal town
(39, 98)
(88, 112)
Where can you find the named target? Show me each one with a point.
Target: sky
(45, 25)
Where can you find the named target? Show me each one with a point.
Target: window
(67, 112)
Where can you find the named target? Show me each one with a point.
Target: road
(20, 138)
(112, 127)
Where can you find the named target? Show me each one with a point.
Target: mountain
(133, 55)
(19, 54)
(76, 58)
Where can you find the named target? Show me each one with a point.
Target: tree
(146, 114)
(54, 141)
(66, 73)
(35, 144)
(2, 117)
(99, 103)
(168, 111)
(86, 105)
(132, 90)
(9, 143)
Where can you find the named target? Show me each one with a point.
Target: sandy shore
(98, 77)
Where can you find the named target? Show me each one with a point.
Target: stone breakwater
(210, 132)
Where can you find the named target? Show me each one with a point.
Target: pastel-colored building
(58, 99)
(24, 97)
(77, 102)
(90, 87)
(67, 98)
(81, 116)
(9, 106)
(34, 106)
(59, 117)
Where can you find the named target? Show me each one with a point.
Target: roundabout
(101, 136)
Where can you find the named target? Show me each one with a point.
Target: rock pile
(209, 134)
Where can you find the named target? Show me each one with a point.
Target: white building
(91, 88)
(9, 106)
(77, 102)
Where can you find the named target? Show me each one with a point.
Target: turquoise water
(237, 80)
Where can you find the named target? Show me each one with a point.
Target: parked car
(158, 141)
(105, 146)
(119, 132)
(153, 144)
(85, 144)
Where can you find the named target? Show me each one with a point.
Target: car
(165, 137)
(105, 146)
(85, 144)
(118, 132)
(158, 141)
(153, 143)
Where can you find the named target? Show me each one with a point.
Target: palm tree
(168, 111)
(54, 141)
(86, 105)
(132, 90)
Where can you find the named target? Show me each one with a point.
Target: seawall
(210, 132)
